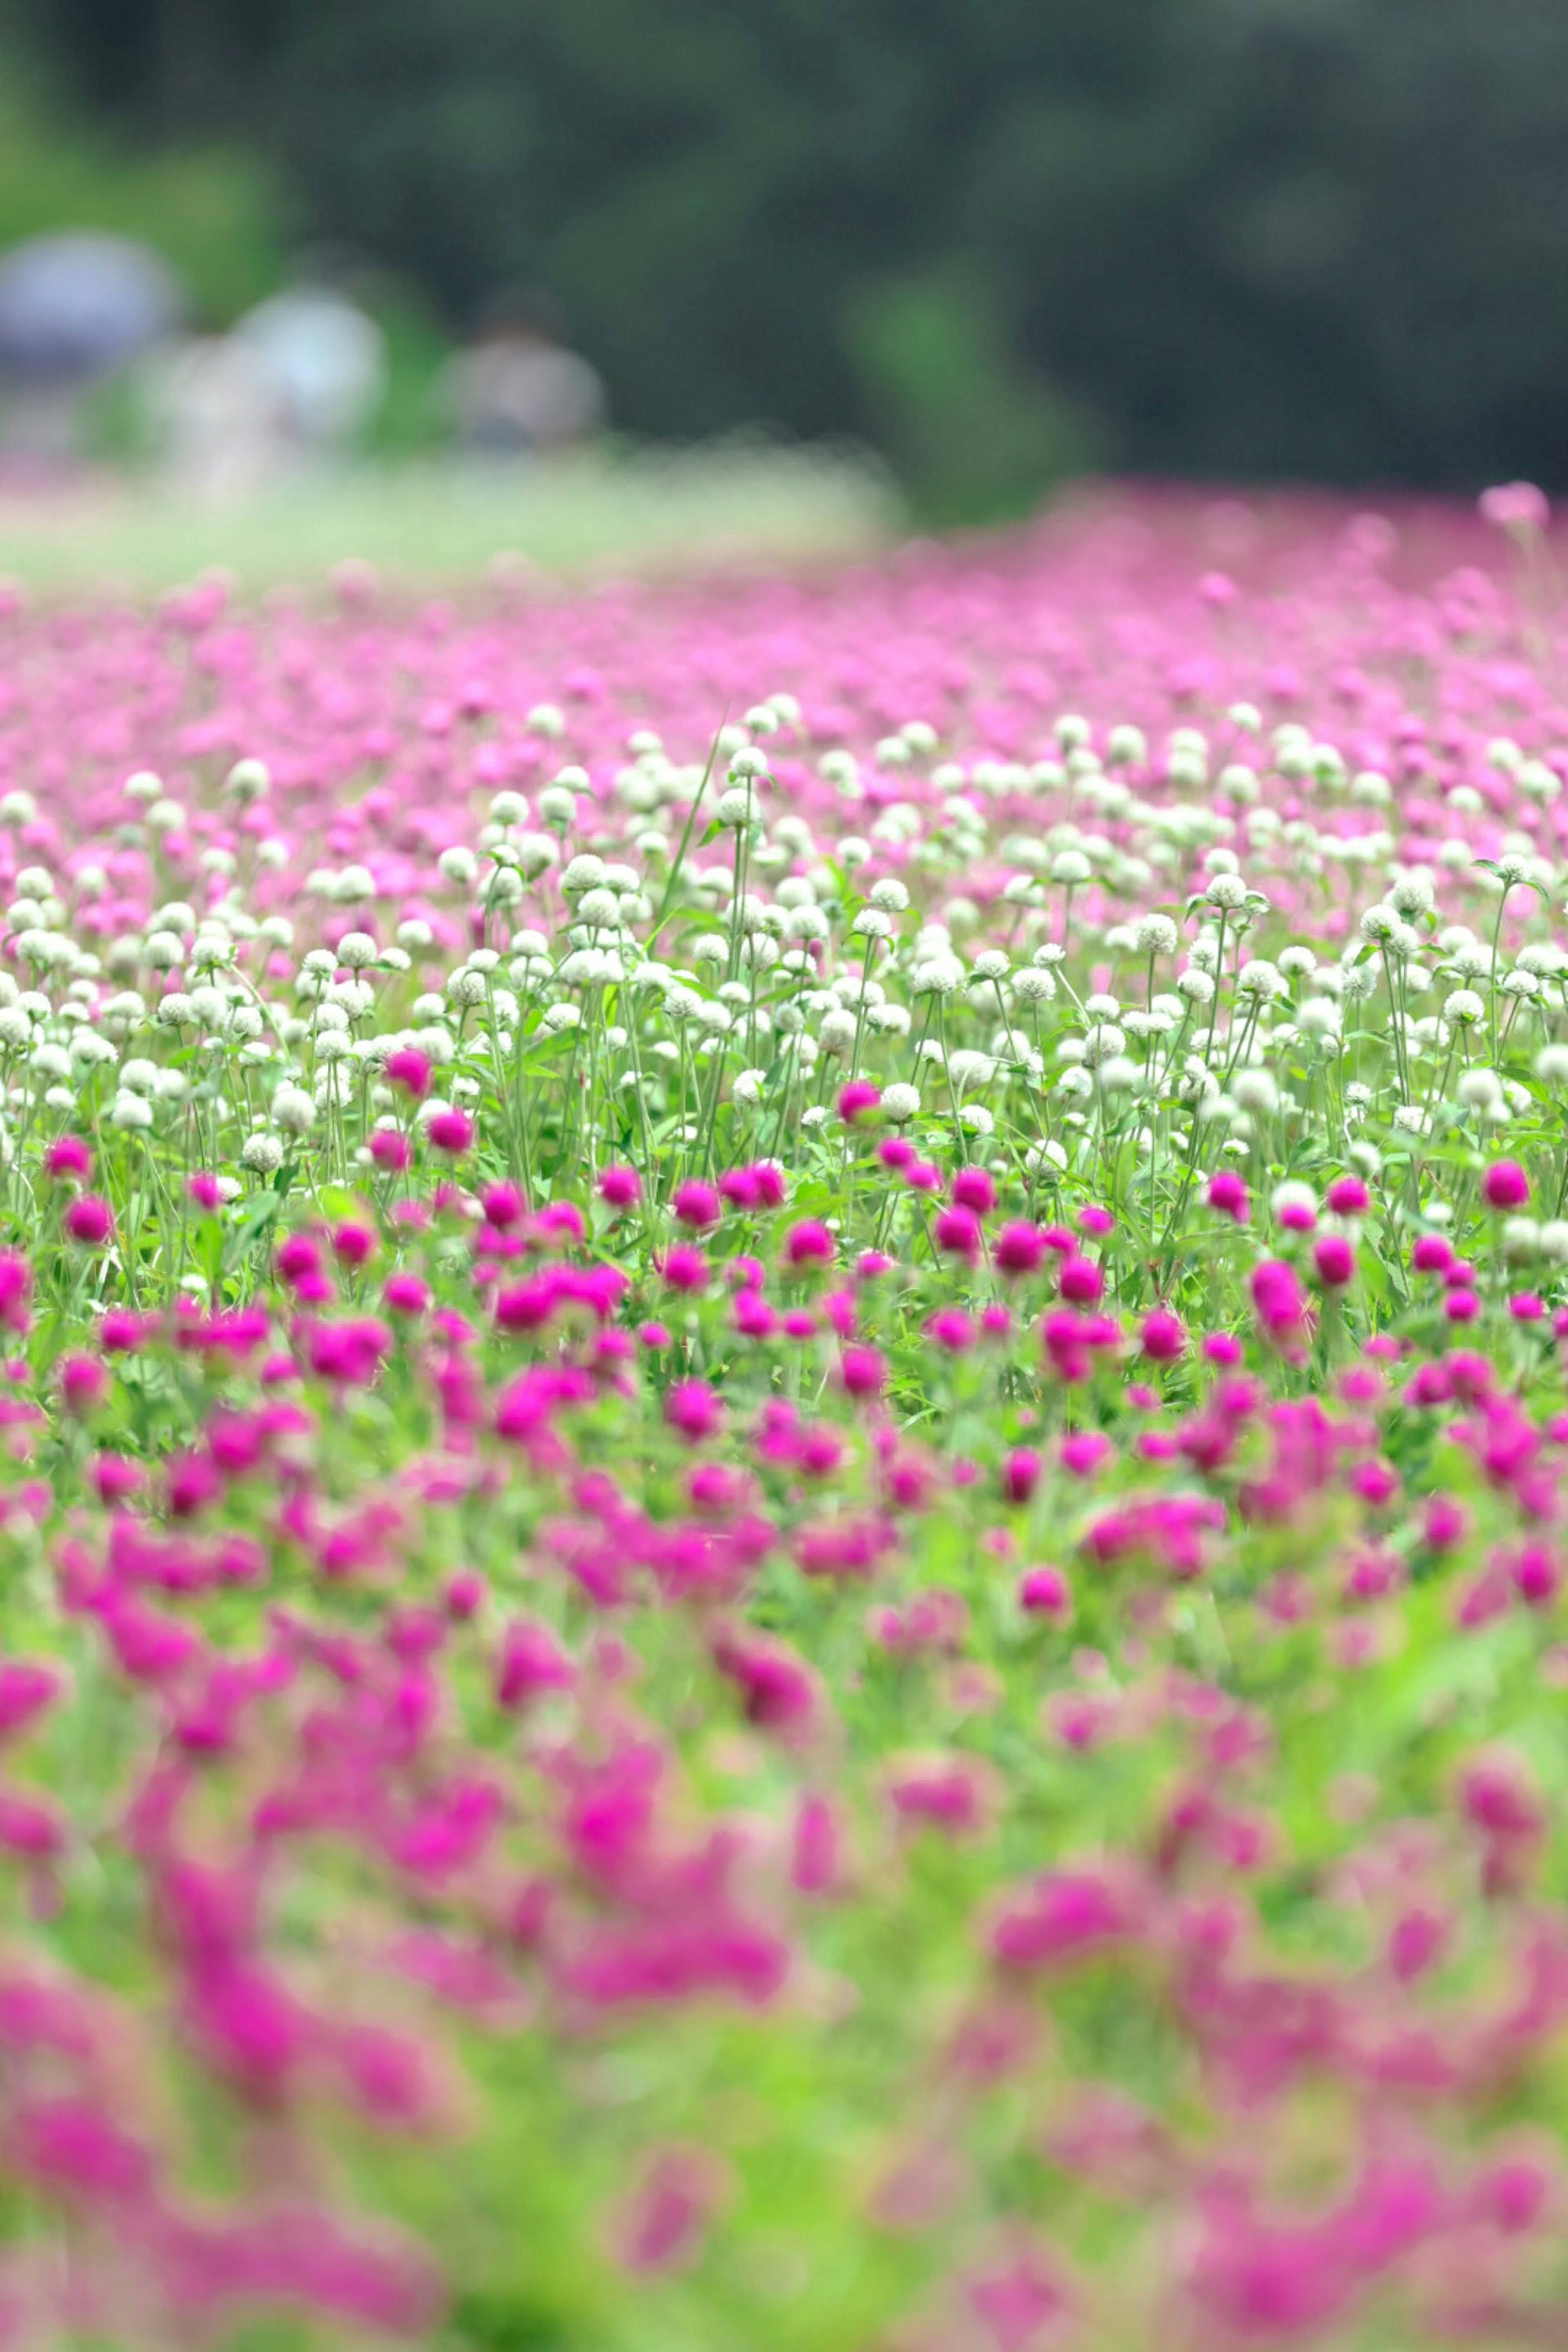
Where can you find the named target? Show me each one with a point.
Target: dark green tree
(1231, 238)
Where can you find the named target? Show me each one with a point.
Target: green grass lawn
(426, 525)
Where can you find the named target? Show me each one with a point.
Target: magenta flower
(1333, 1261)
(856, 1099)
(696, 1204)
(88, 1221)
(1505, 1185)
(451, 1132)
(620, 1187)
(1227, 1195)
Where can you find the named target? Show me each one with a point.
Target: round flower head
(1295, 1207)
(863, 1371)
(620, 1187)
(697, 1205)
(1505, 1185)
(1164, 1337)
(1227, 1195)
(68, 1157)
(408, 1069)
(856, 1099)
(450, 1131)
(1333, 1261)
(974, 1187)
(88, 1221)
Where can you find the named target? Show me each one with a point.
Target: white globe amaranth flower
(261, 1153)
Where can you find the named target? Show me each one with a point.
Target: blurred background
(877, 259)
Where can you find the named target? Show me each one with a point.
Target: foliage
(1314, 237)
(213, 211)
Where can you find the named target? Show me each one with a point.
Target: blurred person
(216, 416)
(516, 392)
(74, 307)
(327, 357)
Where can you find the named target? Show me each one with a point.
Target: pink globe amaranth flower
(1333, 1261)
(1021, 1474)
(405, 1294)
(654, 1337)
(753, 1316)
(896, 1151)
(451, 1131)
(1445, 1523)
(683, 1267)
(975, 1188)
(353, 1245)
(694, 1410)
(532, 1662)
(809, 1242)
(1018, 1249)
(1227, 1195)
(856, 1099)
(1081, 1282)
(1535, 1574)
(620, 1187)
(1297, 1216)
(409, 1070)
(69, 1157)
(88, 1221)
(1096, 1221)
(1164, 1336)
(1505, 1185)
(203, 1192)
(296, 1258)
(503, 1205)
(1527, 1306)
(1045, 1592)
(957, 1232)
(120, 1331)
(15, 1295)
(84, 1384)
(1461, 1306)
(951, 1327)
(1347, 1196)
(116, 1477)
(1084, 1451)
(464, 1593)
(391, 1150)
(863, 1371)
(1430, 1253)
(558, 1225)
(799, 1324)
(738, 1186)
(871, 1265)
(1280, 1304)
(696, 1204)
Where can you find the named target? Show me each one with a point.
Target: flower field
(781, 1508)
